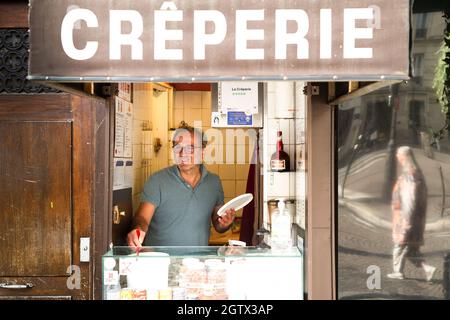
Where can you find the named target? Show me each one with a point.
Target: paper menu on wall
(128, 131)
(119, 128)
(119, 174)
(123, 137)
(125, 91)
(129, 174)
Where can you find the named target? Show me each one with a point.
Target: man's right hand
(134, 240)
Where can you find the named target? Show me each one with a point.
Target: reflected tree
(441, 82)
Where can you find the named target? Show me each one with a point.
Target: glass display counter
(202, 273)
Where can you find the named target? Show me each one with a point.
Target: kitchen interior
(263, 117)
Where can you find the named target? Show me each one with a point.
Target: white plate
(236, 203)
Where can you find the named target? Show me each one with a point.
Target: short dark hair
(196, 132)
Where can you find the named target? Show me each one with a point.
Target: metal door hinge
(311, 90)
(107, 91)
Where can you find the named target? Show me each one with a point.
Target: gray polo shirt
(183, 215)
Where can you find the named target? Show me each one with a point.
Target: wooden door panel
(43, 287)
(35, 198)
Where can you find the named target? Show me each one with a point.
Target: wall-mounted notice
(123, 138)
(128, 132)
(119, 174)
(239, 96)
(125, 91)
(129, 174)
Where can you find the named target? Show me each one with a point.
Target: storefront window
(394, 182)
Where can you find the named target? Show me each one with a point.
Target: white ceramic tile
(206, 117)
(292, 193)
(227, 171)
(291, 152)
(178, 100)
(271, 86)
(192, 115)
(229, 188)
(272, 128)
(292, 131)
(300, 101)
(213, 168)
(242, 171)
(178, 116)
(137, 156)
(285, 105)
(206, 100)
(300, 131)
(284, 127)
(241, 187)
(278, 184)
(271, 105)
(192, 99)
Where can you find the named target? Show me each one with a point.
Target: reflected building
(370, 129)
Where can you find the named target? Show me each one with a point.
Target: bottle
(280, 160)
(281, 228)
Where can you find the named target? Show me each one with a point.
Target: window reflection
(372, 130)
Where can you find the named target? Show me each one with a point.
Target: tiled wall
(193, 106)
(190, 106)
(279, 116)
(142, 137)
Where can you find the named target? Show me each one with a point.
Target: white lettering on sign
(68, 25)
(283, 38)
(243, 33)
(351, 33)
(201, 39)
(162, 34)
(118, 39)
(325, 33)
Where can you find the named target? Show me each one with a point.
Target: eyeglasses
(188, 149)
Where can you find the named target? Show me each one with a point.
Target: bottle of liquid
(279, 161)
(281, 228)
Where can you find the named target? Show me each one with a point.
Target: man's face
(187, 154)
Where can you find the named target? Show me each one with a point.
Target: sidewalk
(378, 213)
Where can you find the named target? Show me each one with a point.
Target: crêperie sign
(222, 40)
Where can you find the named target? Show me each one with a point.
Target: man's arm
(141, 221)
(223, 223)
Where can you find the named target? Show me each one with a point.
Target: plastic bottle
(281, 228)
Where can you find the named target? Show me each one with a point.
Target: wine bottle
(279, 161)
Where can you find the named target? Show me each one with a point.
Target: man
(178, 203)
(409, 206)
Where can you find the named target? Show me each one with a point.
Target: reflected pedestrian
(409, 206)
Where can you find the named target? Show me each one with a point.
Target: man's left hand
(227, 219)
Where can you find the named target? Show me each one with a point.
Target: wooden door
(35, 206)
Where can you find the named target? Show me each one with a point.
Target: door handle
(16, 286)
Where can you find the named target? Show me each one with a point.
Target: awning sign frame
(205, 40)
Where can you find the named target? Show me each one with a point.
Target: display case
(202, 273)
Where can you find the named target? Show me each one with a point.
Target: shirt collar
(174, 169)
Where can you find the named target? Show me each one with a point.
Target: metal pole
(391, 164)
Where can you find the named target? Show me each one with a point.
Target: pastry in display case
(202, 273)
